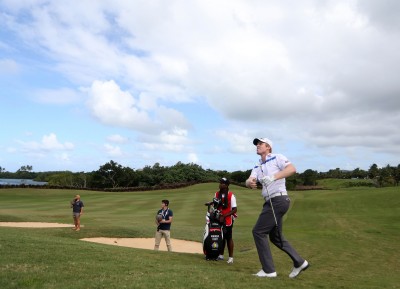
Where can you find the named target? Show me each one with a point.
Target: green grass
(335, 184)
(351, 237)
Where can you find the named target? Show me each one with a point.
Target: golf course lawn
(351, 238)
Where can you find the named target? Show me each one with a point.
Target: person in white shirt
(271, 172)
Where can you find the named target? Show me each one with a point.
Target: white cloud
(236, 140)
(64, 157)
(48, 143)
(174, 140)
(193, 158)
(113, 151)
(116, 138)
(112, 106)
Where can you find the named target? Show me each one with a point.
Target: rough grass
(351, 238)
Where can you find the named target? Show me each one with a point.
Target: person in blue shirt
(77, 210)
(163, 222)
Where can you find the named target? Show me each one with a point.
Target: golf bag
(213, 238)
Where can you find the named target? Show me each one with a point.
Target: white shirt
(233, 202)
(273, 164)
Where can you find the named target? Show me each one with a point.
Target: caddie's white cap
(262, 139)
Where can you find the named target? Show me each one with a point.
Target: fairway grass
(351, 238)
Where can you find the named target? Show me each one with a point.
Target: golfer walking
(271, 172)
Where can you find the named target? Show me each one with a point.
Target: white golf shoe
(296, 271)
(261, 273)
(230, 260)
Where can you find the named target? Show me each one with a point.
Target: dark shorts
(228, 232)
(76, 215)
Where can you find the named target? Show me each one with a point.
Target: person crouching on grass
(77, 210)
(163, 222)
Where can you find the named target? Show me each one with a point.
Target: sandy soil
(34, 225)
(181, 246)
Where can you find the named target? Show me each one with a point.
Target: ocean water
(17, 182)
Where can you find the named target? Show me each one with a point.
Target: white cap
(262, 139)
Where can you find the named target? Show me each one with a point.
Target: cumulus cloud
(174, 140)
(112, 106)
(113, 151)
(116, 138)
(48, 143)
(236, 140)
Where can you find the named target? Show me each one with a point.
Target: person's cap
(224, 181)
(262, 139)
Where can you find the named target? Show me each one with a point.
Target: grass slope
(351, 237)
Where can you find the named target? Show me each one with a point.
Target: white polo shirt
(273, 164)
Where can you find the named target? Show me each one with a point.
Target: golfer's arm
(249, 182)
(286, 172)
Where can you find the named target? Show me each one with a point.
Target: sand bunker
(34, 225)
(180, 246)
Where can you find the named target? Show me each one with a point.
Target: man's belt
(276, 195)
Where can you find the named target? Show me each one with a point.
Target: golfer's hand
(251, 183)
(267, 180)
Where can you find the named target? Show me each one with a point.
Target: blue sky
(145, 82)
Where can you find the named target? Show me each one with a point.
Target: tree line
(115, 176)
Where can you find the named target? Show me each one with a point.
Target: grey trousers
(265, 226)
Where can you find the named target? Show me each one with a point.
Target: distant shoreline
(17, 182)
